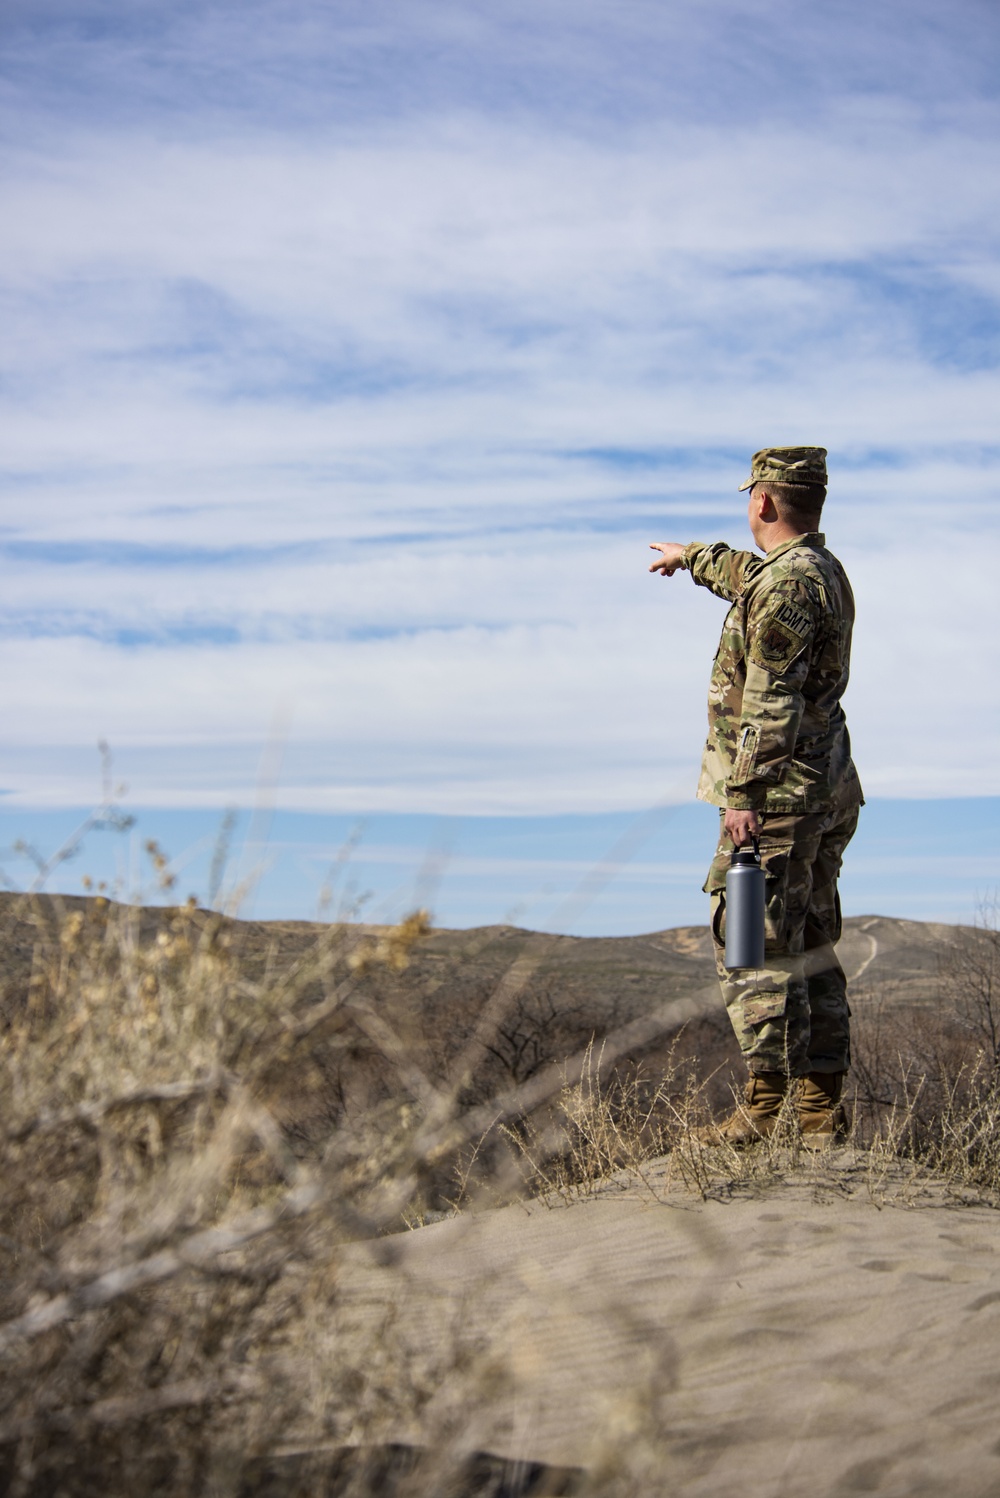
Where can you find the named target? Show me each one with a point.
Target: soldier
(778, 765)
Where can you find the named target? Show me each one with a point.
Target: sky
(354, 354)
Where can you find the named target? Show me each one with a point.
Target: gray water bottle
(745, 909)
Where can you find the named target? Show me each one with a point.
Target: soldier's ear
(764, 505)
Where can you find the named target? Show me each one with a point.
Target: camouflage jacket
(777, 737)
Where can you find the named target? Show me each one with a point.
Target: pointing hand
(668, 563)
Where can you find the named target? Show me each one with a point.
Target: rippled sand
(835, 1333)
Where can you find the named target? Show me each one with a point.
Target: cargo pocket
(768, 1006)
(715, 880)
(774, 861)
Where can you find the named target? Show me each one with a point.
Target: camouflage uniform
(778, 744)
(792, 1016)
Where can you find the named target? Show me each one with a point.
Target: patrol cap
(787, 465)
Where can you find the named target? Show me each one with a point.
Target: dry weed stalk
(604, 1130)
(596, 1130)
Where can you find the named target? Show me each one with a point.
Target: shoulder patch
(792, 618)
(780, 638)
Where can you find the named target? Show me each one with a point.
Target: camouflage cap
(788, 465)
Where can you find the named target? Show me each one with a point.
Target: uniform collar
(808, 538)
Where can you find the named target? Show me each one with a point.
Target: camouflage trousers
(792, 1016)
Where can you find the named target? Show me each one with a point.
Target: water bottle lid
(746, 857)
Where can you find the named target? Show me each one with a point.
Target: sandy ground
(827, 1335)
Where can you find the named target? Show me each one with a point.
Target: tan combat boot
(822, 1120)
(755, 1118)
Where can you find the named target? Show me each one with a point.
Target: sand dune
(827, 1336)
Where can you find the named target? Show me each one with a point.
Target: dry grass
(152, 1198)
(599, 1134)
(183, 1157)
(601, 1129)
(923, 1102)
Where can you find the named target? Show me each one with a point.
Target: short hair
(797, 504)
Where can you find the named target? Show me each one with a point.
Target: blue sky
(355, 352)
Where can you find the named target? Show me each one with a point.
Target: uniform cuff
(745, 801)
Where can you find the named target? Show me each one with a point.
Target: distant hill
(612, 978)
(657, 993)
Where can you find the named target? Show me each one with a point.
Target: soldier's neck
(768, 537)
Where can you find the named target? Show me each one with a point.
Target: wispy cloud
(354, 353)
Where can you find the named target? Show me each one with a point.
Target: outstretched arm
(716, 566)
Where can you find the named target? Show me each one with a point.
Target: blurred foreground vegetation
(198, 1113)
